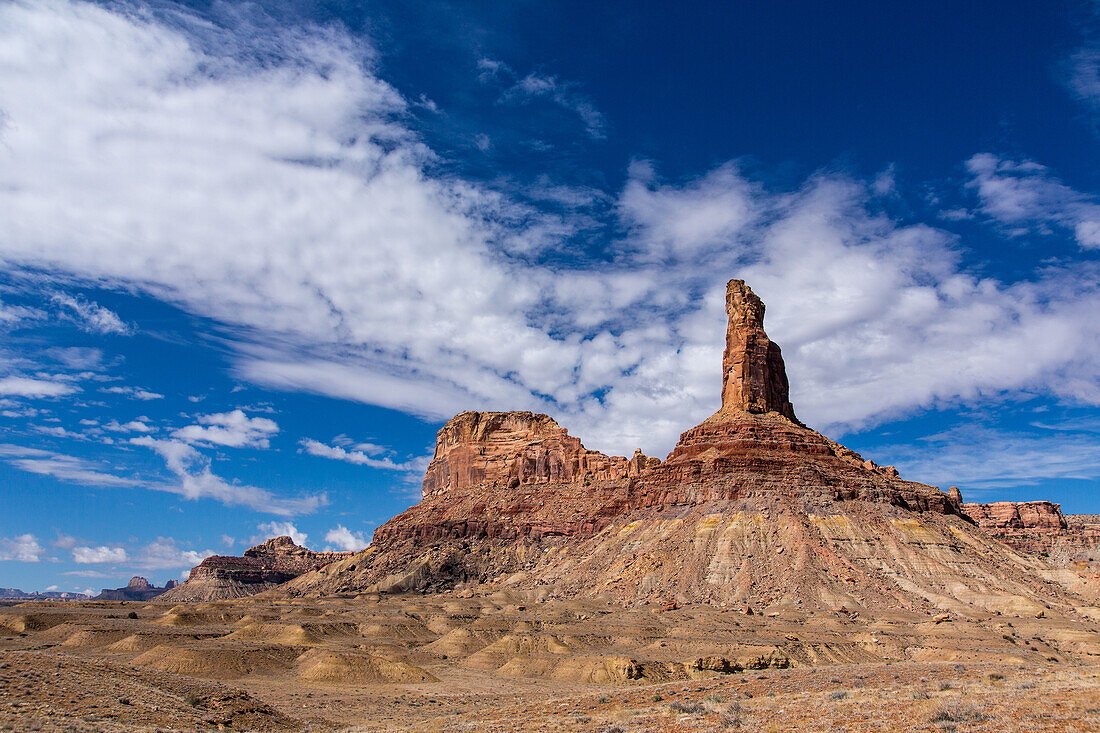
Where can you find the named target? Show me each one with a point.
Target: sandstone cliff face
(1033, 516)
(750, 506)
(261, 568)
(754, 378)
(1039, 528)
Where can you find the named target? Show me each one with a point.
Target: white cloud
(101, 554)
(10, 315)
(66, 542)
(63, 467)
(281, 529)
(198, 481)
(987, 460)
(1024, 197)
(315, 222)
(361, 458)
(26, 387)
(133, 426)
(165, 553)
(90, 316)
(533, 86)
(228, 541)
(670, 222)
(136, 392)
(233, 429)
(81, 358)
(22, 548)
(50, 588)
(342, 538)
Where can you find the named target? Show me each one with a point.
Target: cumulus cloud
(21, 548)
(362, 457)
(90, 316)
(27, 387)
(315, 221)
(342, 538)
(198, 481)
(166, 553)
(101, 554)
(673, 221)
(1023, 196)
(233, 429)
(281, 529)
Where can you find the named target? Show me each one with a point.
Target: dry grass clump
(956, 711)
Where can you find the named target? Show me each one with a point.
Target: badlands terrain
(760, 577)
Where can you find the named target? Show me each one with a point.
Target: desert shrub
(603, 699)
(922, 694)
(132, 614)
(957, 711)
(687, 707)
(714, 697)
(192, 699)
(995, 676)
(944, 685)
(837, 695)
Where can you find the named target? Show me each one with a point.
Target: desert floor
(493, 662)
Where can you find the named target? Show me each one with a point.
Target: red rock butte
(751, 505)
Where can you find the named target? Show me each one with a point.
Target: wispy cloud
(90, 316)
(986, 458)
(61, 466)
(136, 392)
(363, 457)
(1023, 196)
(198, 481)
(549, 87)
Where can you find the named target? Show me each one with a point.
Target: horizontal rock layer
(261, 568)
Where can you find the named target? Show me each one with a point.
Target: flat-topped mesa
(275, 561)
(512, 449)
(754, 378)
(1028, 516)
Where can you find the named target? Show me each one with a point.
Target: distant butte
(275, 561)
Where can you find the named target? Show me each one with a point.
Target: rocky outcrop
(1040, 528)
(138, 589)
(261, 568)
(754, 378)
(1030, 516)
(751, 507)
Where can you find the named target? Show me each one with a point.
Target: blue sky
(253, 256)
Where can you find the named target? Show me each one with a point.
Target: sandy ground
(495, 662)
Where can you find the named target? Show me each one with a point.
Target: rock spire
(753, 376)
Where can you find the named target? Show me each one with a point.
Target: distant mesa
(1039, 527)
(138, 589)
(15, 594)
(262, 567)
(750, 508)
